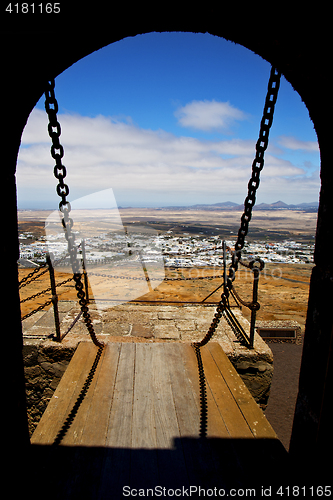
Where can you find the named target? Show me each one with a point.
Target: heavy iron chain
(45, 291)
(64, 207)
(203, 393)
(223, 307)
(43, 268)
(57, 153)
(155, 279)
(257, 166)
(40, 308)
(26, 281)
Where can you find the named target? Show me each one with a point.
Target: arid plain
(283, 288)
(265, 224)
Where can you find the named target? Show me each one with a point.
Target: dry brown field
(264, 223)
(283, 288)
(280, 298)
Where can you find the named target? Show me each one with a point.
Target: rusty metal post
(85, 276)
(224, 247)
(256, 274)
(54, 298)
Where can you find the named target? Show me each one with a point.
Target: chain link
(223, 307)
(36, 295)
(25, 281)
(46, 290)
(57, 153)
(42, 268)
(257, 166)
(250, 305)
(47, 303)
(203, 393)
(134, 278)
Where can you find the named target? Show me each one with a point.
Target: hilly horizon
(226, 205)
(230, 205)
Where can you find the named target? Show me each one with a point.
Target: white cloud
(277, 167)
(293, 143)
(208, 115)
(155, 167)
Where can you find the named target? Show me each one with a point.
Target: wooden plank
(234, 428)
(115, 471)
(216, 453)
(256, 420)
(167, 429)
(225, 389)
(65, 395)
(202, 458)
(187, 410)
(75, 433)
(144, 464)
(224, 397)
(191, 371)
(120, 422)
(144, 429)
(91, 423)
(215, 425)
(164, 407)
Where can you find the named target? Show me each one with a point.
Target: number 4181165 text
(32, 8)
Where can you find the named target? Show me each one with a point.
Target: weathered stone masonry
(43, 369)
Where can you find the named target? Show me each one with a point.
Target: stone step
(159, 321)
(42, 325)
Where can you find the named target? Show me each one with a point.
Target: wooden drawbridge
(138, 425)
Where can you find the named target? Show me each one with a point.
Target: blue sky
(169, 119)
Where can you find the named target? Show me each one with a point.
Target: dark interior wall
(36, 48)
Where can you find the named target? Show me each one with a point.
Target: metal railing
(38, 273)
(256, 266)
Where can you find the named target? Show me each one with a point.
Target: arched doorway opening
(303, 64)
(199, 111)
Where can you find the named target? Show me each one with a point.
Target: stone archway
(283, 40)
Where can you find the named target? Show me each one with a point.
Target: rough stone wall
(257, 375)
(43, 369)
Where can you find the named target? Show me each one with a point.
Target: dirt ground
(283, 289)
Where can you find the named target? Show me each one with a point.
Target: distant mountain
(229, 205)
(313, 204)
(272, 206)
(226, 204)
(280, 205)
